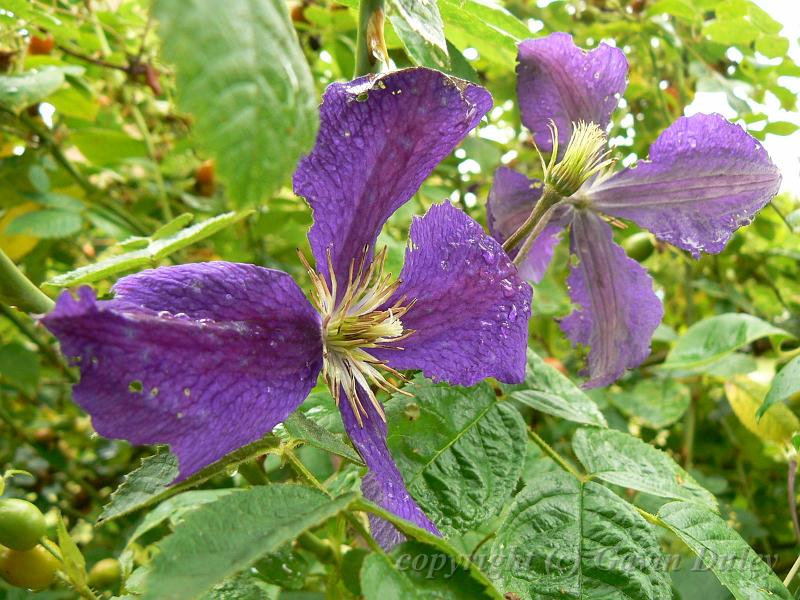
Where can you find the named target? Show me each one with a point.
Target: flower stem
(792, 572)
(547, 200)
(548, 449)
(790, 484)
(17, 290)
(370, 37)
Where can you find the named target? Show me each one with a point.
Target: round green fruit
(105, 573)
(33, 569)
(639, 246)
(21, 524)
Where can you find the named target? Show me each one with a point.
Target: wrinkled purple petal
(706, 177)
(379, 138)
(618, 309)
(204, 357)
(510, 202)
(558, 81)
(383, 484)
(471, 312)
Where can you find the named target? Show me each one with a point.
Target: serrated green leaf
(301, 427)
(246, 82)
(723, 551)
(785, 385)
(151, 483)
(223, 537)
(72, 560)
(416, 571)
(24, 89)
(621, 459)
(46, 223)
(419, 26)
(413, 531)
(155, 249)
(713, 338)
(566, 539)
(656, 403)
(243, 586)
(547, 390)
(460, 451)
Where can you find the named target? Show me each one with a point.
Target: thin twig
(790, 484)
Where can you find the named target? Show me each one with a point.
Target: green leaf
(419, 26)
(682, 9)
(47, 223)
(107, 146)
(302, 428)
(723, 551)
(413, 531)
(460, 451)
(24, 89)
(713, 338)
(656, 403)
(242, 75)
(735, 32)
(547, 390)
(19, 365)
(146, 252)
(467, 25)
(780, 128)
(416, 571)
(243, 586)
(73, 563)
(576, 540)
(173, 509)
(785, 385)
(151, 483)
(621, 459)
(224, 537)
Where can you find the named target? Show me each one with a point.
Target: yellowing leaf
(16, 245)
(776, 425)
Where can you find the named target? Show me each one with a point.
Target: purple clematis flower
(704, 179)
(209, 357)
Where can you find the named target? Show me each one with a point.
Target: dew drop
(187, 392)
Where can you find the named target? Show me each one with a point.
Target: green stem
(370, 37)
(540, 209)
(141, 124)
(17, 290)
(562, 462)
(792, 572)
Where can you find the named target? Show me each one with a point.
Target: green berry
(21, 524)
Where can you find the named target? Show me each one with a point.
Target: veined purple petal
(471, 308)
(558, 81)
(618, 309)
(510, 202)
(706, 177)
(204, 357)
(379, 138)
(383, 484)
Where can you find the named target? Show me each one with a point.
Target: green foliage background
(134, 135)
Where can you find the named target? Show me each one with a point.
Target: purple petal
(619, 310)
(706, 177)
(204, 357)
(379, 138)
(383, 484)
(511, 201)
(471, 309)
(558, 81)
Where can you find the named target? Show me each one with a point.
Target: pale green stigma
(355, 322)
(585, 156)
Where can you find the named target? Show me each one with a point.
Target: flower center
(355, 323)
(586, 155)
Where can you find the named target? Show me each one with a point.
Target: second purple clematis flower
(704, 179)
(209, 357)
